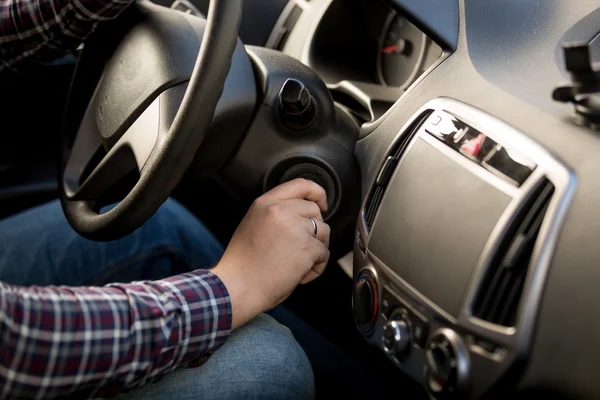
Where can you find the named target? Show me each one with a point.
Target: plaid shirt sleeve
(98, 342)
(44, 30)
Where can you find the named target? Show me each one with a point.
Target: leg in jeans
(261, 360)
(38, 247)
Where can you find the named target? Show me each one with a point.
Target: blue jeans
(260, 360)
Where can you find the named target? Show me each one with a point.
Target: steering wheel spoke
(84, 180)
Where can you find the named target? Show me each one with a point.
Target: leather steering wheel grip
(175, 148)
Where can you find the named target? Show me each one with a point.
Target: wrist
(245, 297)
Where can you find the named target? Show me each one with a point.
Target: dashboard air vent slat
(287, 27)
(499, 296)
(386, 172)
(373, 206)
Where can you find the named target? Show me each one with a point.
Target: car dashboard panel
(474, 271)
(454, 237)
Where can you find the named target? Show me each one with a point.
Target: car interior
(454, 139)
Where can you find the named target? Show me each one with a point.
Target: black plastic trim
(438, 19)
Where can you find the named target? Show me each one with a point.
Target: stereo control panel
(453, 246)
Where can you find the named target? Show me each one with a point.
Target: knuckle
(317, 247)
(314, 209)
(260, 202)
(321, 190)
(275, 211)
(327, 229)
(303, 182)
(324, 255)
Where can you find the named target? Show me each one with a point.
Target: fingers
(311, 276)
(320, 265)
(306, 209)
(301, 189)
(314, 273)
(323, 230)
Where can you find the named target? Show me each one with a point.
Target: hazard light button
(472, 147)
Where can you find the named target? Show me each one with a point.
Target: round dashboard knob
(396, 338)
(365, 302)
(447, 364)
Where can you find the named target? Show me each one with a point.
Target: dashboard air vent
(286, 28)
(373, 206)
(499, 296)
(386, 172)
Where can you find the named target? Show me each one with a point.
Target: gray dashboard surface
(416, 230)
(507, 63)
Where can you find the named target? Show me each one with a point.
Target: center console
(453, 247)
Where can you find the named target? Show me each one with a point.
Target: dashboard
(475, 269)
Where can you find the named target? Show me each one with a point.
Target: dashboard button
(419, 325)
(435, 120)
(509, 164)
(388, 302)
(396, 336)
(444, 127)
(447, 365)
(473, 146)
(420, 330)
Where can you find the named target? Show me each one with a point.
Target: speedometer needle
(390, 49)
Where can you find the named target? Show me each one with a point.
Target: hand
(274, 248)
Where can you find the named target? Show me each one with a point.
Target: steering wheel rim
(172, 153)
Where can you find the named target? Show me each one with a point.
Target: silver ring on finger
(314, 225)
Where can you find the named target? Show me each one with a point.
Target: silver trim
(401, 336)
(461, 354)
(482, 173)
(273, 36)
(409, 291)
(513, 341)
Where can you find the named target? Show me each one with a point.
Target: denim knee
(265, 362)
(261, 360)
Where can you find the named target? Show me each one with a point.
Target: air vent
(386, 172)
(286, 28)
(383, 178)
(500, 295)
(373, 206)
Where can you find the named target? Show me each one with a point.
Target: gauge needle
(390, 49)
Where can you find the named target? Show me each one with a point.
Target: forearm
(47, 29)
(87, 341)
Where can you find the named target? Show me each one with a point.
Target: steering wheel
(147, 115)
